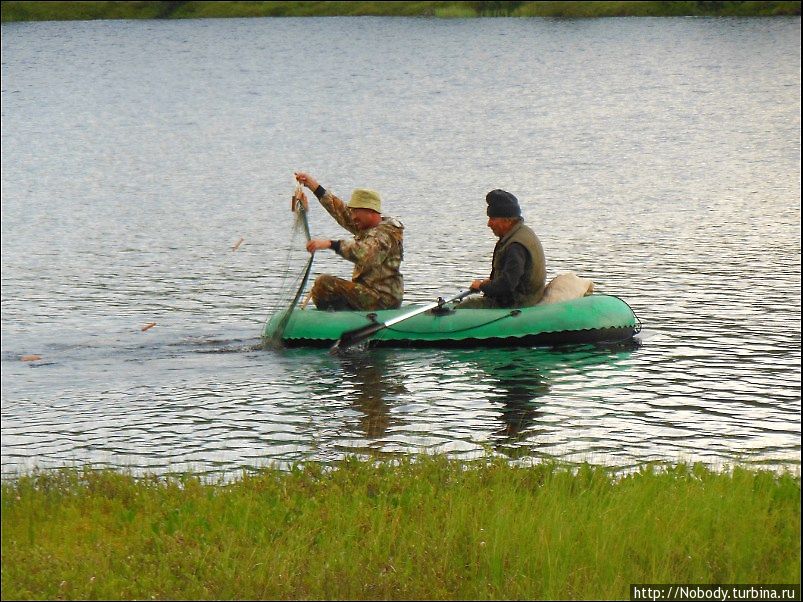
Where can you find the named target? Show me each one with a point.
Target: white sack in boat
(564, 287)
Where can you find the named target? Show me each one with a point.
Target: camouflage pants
(330, 292)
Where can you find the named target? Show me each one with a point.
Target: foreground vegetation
(428, 528)
(57, 11)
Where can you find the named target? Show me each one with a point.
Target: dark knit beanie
(502, 204)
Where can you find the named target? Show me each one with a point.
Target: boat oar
(358, 335)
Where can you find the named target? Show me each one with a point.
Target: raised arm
(333, 205)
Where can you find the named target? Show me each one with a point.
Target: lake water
(658, 157)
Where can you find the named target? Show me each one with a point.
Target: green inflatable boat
(591, 319)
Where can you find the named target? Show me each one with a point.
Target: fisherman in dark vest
(518, 267)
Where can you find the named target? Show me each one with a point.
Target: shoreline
(16, 11)
(423, 528)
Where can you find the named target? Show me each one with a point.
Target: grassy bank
(425, 529)
(59, 11)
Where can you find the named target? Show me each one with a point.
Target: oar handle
(461, 296)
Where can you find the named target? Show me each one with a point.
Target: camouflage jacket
(376, 252)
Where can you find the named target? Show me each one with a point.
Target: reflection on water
(463, 402)
(519, 386)
(509, 378)
(516, 379)
(370, 383)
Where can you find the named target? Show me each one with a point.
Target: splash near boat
(590, 319)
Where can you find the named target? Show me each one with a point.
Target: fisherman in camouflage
(375, 250)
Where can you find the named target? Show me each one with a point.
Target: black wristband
(335, 246)
(319, 192)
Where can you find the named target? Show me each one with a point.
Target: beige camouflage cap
(363, 198)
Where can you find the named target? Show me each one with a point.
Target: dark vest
(531, 286)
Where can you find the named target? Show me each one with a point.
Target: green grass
(53, 11)
(424, 528)
(78, 10)
(454, 10)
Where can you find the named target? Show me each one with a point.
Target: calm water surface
(659, 157)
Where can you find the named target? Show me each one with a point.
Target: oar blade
(355, 337)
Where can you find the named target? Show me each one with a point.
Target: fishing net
(295, 272)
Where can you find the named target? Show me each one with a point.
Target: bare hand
(477, 283)
(307, 180)
(316, 244)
